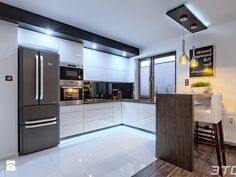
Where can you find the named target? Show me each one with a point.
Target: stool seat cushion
(202, 114)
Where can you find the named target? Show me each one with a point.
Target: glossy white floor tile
(116, 152)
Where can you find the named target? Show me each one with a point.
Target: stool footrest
(205, 137)
(202, 132)
(206, 127)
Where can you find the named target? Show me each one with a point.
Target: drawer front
(69, 130)
(147, 124)
(97, 114)
(130, 113)
(38, 137)
(146, 111)
(96, 106)
(72, 108)
(117, 113)
(94, 125)
(72, 118)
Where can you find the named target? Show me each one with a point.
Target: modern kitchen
(117, 89)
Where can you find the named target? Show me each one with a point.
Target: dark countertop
(113, 101)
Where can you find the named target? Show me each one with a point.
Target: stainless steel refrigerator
(38, 100)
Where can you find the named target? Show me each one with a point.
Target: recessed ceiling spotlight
(49, 32)
(94, 46)
(124, 54)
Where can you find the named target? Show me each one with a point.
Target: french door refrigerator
(38, 100)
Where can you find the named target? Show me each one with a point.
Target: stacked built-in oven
(71, 84)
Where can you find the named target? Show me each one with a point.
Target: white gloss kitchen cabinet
(71, 120)
(99, 66)
(147, 116)
(78, 119)
(130, 113)
(70, 52)
(117, 113)
(140, 115)
(97, 116)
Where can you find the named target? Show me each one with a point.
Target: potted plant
(200, 87)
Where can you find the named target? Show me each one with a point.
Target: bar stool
(213, 133)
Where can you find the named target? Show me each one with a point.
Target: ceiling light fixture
(184, 58)
(193, 63)
(94, 46)
(124, 54)
(49, 32)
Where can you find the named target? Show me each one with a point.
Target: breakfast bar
(175, 128)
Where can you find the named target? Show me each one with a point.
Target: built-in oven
(71, 92)
(71, 84)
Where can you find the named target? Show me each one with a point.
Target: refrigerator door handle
(36, 77)
(40, 121)
(41, 125)
(41, 77)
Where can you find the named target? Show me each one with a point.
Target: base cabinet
(130, 113)
(146, 117)
(117, 113)
(71, 120)
(97, 116)
(89, 117)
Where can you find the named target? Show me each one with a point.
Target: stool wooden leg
(222, 142)
(197, 130)
(217, 143)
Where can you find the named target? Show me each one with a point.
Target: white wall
(223, 37)
(101, 66)
(8, 90)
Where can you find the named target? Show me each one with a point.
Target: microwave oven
(71, 72)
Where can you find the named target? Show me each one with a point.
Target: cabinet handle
(40, 125)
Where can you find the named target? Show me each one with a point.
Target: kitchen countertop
(113, 101)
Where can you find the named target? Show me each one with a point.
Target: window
(157, 74)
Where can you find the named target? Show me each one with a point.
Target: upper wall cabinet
(100, 66)
(70, 52)
(37, 40)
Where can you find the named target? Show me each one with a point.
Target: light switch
(8, 78)
(186, 82)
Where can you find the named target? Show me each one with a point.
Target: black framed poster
(204, 56)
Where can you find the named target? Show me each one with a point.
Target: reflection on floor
(116, 152)
(204, 159)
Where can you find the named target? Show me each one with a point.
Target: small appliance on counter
(38, 108)
(71, 84)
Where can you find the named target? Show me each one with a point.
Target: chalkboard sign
(204, 56)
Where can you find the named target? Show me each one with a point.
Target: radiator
(229, 126)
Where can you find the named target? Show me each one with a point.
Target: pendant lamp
(193, 62)
(184, 58)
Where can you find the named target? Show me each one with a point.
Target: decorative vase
(200, 90)
(154, 99)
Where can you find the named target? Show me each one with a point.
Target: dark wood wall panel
(174, 127)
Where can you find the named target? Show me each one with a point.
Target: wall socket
(186, 81)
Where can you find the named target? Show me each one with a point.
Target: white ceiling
(135, 22)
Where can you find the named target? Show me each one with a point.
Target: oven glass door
(71, 93)
(67, 73)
